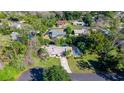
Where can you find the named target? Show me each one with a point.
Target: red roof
(61, 22)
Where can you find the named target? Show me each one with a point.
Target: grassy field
(8, 73)
(73, 63)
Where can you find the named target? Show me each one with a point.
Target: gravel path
(64, 64)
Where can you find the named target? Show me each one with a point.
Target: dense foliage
(56, 73)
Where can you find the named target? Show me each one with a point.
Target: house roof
(55, 50)
(55, 33)
(61, 22)
(78, 22)
(82, 31)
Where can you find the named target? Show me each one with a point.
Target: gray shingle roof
(55, 33)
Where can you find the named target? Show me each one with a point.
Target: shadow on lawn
(100, 70)
(36, 74)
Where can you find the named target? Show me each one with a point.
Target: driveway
(64, 64)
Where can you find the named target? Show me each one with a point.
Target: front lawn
(50, 61)
(75, 62)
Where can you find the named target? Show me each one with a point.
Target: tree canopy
(56, 73)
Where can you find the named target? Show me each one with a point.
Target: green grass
(87, 57)
(8, 73)
(50, 61)
(73, 63)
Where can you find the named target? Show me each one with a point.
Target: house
(54, 33)
(14, 35)
(54, 50)
(61, 23)
(78, 23)
(80, 32)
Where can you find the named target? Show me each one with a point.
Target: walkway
(64, 64)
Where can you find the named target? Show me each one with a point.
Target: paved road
(86, 77)
(64, 64)
(33, 74)
(101, 76)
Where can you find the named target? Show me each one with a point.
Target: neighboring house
(54, 33)
(81, 32)
(57, 51)
(61, 23)
(14, 35)
(78, 23)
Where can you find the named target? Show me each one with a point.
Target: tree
(41, 39)
(81, 46)
(56, 73)
(71, 15)
(88, 19)
(69, 40)
(16, 52)
(67, 53)
(18, 48)
(69, 30)
(67, 15)
(109, 13)
(42, 53)
(60, 41)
